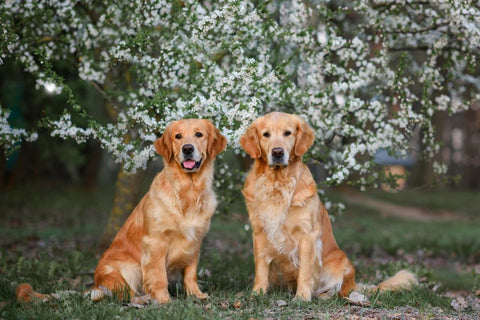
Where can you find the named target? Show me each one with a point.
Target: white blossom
(11, 137)
(362, 84)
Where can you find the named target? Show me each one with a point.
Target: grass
(442, 251)
(44, 212)
(366, 230)
(49, 241)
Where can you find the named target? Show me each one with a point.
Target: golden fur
(164, 233)
(293, 240)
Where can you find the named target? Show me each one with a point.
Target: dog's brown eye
(178, 136)
(287, 133)
(198, 134)
(266, 134)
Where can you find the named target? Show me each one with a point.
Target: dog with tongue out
(192, 159)
(161, 238)
(163, 235)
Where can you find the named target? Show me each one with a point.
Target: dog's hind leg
(337, 275)
(108, 281)
(348, 284)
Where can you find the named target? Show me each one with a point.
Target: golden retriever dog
(293, 240)
(163, 234)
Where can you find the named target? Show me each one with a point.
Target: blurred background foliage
(49, 159)
(52, 160)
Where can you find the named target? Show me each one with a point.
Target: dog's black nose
(277, 153)
(187, 149)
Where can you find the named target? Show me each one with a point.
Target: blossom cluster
(365, 74)
(10, 137)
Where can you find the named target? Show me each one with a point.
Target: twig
(103, 93)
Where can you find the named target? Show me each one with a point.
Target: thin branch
(398, 49)
(433, 27)
(103, 93)
(423, 48)
(388, 5)
(91, 14)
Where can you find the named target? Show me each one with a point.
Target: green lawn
(49, 241)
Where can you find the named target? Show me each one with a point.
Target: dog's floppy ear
(249, 142)
(163, 145)
(216, 141)
(304, 138)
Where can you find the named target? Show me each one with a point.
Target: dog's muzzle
(278, 158)
(189, 163)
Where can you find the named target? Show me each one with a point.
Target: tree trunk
(93, 163)
(127, 190)
(3, 168)
(440, 122)
(19, 168)
(471, 163)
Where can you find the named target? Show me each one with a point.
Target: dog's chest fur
(180, 223)
(193, 223)
(272, 204)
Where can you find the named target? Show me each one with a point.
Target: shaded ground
(49, 242)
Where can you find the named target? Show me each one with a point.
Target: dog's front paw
(259, 291)
(303, 296)
(200, 295)
(193, 290)
(161, 297)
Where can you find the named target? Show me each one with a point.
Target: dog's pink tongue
(189, 164)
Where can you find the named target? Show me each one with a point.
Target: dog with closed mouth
(293, 242)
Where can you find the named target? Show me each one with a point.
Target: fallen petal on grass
(358, 299)
(473, 302)
(459, 304)
(281, 303)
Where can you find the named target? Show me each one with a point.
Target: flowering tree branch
(363, 73)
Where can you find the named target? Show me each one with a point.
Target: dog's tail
(402, 280)
(25, 293)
